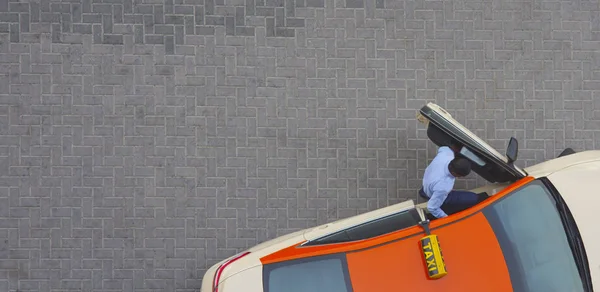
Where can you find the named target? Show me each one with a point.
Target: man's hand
(434, 204)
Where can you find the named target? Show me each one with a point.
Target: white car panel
(249, 280)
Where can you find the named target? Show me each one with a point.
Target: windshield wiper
(574, 240)
(579, 252)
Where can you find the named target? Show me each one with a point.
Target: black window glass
(385, 225)
(373, 228)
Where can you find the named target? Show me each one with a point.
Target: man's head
(459, 167)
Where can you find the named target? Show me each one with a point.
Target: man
(438, 182)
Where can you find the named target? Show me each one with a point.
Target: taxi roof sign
(432, 254)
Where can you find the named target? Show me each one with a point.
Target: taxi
(535, 231)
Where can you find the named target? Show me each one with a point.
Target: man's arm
(436, 201)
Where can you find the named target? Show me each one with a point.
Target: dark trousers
(458, 200)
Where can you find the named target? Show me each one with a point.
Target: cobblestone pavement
(144, 140)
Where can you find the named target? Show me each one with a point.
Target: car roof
(469, 246)
(472, 255)
(297, 251)
(471, 252)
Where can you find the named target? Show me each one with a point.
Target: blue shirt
(438, 182)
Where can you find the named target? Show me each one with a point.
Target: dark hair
(460, 166)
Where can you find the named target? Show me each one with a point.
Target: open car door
(443, 130)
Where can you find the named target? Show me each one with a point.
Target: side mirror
(512, 151)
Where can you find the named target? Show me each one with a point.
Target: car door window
(385, 225)
(381, 226)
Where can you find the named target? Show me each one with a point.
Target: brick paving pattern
(144, 140)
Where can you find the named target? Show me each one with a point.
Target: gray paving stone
(143, 142)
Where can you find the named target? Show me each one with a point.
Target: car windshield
(323, 274)
(534, 241)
